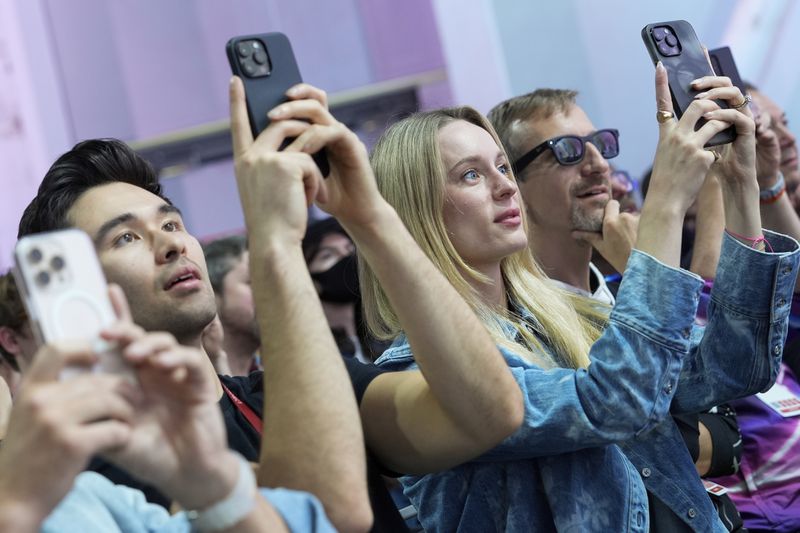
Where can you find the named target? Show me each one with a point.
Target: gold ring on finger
(664, 116)
(746, 100)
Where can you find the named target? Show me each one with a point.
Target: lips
(790, 159)
(184, 275)
(593, 191)
(509, 217)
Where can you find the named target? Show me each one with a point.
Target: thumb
(119, 302)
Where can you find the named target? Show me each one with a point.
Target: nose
(504, 186)
(785, 137)
(169, 247)
(594, 162)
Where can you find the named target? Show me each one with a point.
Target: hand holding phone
(676, 45)
(267, 67)
(66, 294)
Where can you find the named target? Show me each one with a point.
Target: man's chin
(591, 224)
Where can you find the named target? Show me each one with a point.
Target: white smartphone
(65, 292)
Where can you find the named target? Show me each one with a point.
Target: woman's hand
(737, 163)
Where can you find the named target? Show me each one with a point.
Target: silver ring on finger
(746, 100)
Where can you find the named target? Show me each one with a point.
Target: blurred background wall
(147, 70)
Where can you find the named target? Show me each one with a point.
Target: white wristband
(232, 509)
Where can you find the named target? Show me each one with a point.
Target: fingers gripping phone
(65, 293)
(267, 67)
(676, 45)
(724, 65)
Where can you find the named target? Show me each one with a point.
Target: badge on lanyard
(781, 400)
(714, 488)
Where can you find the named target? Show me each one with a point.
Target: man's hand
(55, 427)
(213, 336)
(617, 238)
(768, 151)
(178, 441)
(275, 188)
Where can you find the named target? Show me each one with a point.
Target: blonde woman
(596, 441)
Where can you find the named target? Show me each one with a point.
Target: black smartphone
(267, 67)
(676, 45)
(724, 65)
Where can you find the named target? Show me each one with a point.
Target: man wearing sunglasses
(570, 193)
(561, 163)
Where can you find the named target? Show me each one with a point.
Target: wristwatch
(232, 509)
(771, 194)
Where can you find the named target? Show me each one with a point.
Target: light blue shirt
(593, 439)
(96, 505)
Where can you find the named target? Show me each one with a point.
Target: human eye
(470, 175)
(171, 226)
(504, 169)
(123, 239)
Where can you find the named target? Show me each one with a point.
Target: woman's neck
(493, 292)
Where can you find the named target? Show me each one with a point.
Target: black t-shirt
(243, 438)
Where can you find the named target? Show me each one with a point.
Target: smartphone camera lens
(243, 49)
(57, 263)
(671, 40)
(659, 33)
(248, 68)
(35, 255)
(42, 278)
(260, 57)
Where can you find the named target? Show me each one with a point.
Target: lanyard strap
(243, 408)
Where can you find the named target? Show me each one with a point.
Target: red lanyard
(243, 408)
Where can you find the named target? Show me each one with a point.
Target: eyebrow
(474, 159)
(124, 218)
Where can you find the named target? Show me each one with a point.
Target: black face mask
(339, 284)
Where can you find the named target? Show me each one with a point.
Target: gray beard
(582, 221)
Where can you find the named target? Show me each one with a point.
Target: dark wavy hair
(89, 164)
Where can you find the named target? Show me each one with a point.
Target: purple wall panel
(402, 37)
(86, 51)
(164, 65)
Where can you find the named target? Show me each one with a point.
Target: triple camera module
(666, 41)
(55, 265)
(253, 58)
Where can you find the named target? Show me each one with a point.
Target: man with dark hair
(229, 272)
(304, 392)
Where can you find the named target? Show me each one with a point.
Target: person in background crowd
(229, 272)
(331, 258)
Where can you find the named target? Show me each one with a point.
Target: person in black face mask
(331, 259)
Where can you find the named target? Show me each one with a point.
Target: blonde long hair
(411, 176)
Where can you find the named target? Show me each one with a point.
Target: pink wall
(137, 69)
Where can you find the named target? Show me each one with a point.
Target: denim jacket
(593, 439)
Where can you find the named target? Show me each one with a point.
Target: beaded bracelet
(753, 242)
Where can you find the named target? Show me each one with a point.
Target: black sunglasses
(570, 149)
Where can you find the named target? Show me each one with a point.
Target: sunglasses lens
(607, 143)
(568, 150)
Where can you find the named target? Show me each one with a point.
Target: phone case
(683, 68)
(266, 92)
(724, 65)
(65, 292)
